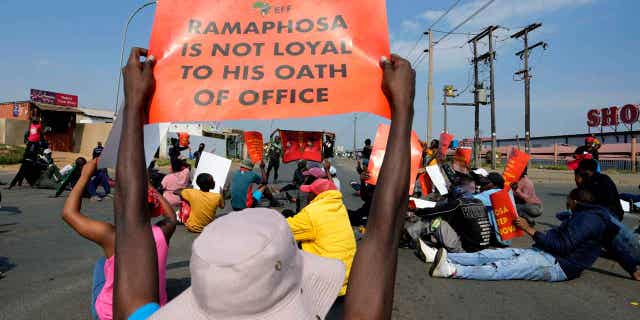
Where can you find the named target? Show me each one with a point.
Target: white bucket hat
(246, 265)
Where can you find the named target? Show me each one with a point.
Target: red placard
(183, 139)
(505, 213)
(301, 145)
(247, 59)
(253, 141)
(445, 142)
(518, 161)
(378, 151)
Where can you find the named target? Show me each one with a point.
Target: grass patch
(10, 154)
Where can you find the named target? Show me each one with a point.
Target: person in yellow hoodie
(323, 226)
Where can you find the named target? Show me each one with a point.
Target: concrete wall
(12, 131)
(87, 135)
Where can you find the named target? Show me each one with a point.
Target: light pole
(124, 40)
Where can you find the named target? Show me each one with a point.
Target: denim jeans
(100, 178)
(98, 284)
(507, 264)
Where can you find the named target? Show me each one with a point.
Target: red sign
(378, 151)
(55, 98)
(253, 141)
(445, 143)
(505, 213)
(613, 116)
(301, 145)
(231, 59)
(516, 164)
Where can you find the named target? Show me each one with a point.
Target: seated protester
(50, 175)
(104, 235)
(462, 224)
(323, 227)
(600, 186)
(241, 184)
(559, 254)
(298, 177)
(178, 179)
(488, 186)
(100, 179)
(625, 245)
(203, 203)
(71, 176)
(528, 205)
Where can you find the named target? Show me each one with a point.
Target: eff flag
(301, 145)
(253, 141)
(247, 59)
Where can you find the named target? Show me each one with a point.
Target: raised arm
(136, 276)
(102, 233)
(370, 293)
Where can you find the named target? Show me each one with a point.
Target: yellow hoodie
(323, 228)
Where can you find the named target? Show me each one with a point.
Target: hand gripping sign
(378, 151)
(505, 213)
(246, 59)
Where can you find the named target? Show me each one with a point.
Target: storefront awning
(51, 107)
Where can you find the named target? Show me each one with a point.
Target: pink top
(526, 192)
(104, 302)
(34, 132)
(175, 181)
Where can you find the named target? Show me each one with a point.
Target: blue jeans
(98, 284)
(633, 198)
(100, 178)
(507, 264)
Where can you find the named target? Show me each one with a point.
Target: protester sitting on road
(203, 203)
(49, 174)
(323, 227)
(262, 258)
(179, 179)
(71, 176)
(600, 186)
(559, 254)
(528, 205)
(241, 184)
(100, 179)
(488, 186)
(298, 177)
(104, 235)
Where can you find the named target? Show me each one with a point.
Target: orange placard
(518, 161)
(183, 139)
(248, 59)
(505, 212)
(445, 142)
(377, 156)
(253, 141)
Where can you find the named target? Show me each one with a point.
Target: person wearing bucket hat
(310, 284)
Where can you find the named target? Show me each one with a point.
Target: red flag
(253, 141)
(301, 145)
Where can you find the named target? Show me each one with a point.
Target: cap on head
(319, 186)
(315, 172)
(246, 164)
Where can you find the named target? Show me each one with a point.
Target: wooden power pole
(525, 73)
(430, 88)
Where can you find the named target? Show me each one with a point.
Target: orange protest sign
(445, 142)
(253, 141)
(183, 139)
(516, 164)
(377, 156)
(247, 59)
(505, 212)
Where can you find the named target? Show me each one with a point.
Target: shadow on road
(6, 264)
(176, 286)
(11, 210)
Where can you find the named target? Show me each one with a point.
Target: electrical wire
(445, 13)
(465, 21)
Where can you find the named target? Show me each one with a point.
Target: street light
(124, 40)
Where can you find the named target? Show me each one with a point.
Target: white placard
(437, 179)
(626, 206)
(214, 165)
(152, 134)
(423, 204)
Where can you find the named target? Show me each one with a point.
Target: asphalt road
(49, 268)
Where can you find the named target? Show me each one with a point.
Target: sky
(591, 62)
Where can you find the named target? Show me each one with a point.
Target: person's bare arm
(170, 221)
(102, 233)
(136, 272)
(371, 286)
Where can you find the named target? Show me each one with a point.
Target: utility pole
(490, 56)
(525, 73)
(355, 130)
(430, 87)
(444, 103)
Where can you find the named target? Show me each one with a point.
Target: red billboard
(59, 99)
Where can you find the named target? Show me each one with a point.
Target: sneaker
(425, 252)
(95, 198)
(441, 268)
(108, 196)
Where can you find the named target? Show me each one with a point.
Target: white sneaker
(441, 268)
(95, 199)
(428, 252)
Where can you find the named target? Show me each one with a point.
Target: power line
(465, 21)
(444, 14)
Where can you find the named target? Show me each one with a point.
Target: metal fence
(605, 164)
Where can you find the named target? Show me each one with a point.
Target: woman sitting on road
(104, 235)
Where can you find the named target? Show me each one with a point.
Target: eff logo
(265, 8)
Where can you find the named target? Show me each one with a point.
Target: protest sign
(241, 59)
(377, 156)
(183, 139)
(152, 137)
(216, 166)
(505, 213)
(518, 161)
(445, 143)
(301, 145)
(437, 179)
(253, 141)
